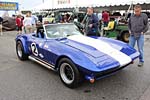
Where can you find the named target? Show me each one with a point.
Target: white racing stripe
(104, 47)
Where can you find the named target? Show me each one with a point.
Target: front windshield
(61, 30)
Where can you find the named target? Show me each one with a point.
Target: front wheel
(20, 51)
(69, 73)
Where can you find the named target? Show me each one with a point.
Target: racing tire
(125, 36)
(69, 73)
(20, 51)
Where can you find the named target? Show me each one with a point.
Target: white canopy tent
(53, 4)
(45, 5)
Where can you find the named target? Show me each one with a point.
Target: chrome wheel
(67, 73)
(19, 50)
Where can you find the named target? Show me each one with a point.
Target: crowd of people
(26, 24)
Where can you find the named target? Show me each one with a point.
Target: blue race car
(62, 48)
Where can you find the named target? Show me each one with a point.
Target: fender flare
(25, 47)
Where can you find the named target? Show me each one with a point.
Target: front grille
(110, 71)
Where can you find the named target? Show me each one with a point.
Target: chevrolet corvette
(63, 48)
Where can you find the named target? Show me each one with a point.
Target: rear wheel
(20, 51)
(125, 36)
(69, 73)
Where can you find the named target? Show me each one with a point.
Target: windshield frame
(46, 34)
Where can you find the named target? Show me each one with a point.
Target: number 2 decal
(34, 49)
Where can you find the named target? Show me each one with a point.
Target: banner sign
(9, 6)
(63, 1)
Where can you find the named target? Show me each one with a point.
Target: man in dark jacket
(138, 25)
(91, 23)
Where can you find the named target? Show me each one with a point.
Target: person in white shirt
(28, 23)
(34, 21)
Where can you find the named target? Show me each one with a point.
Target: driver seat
(40, 32)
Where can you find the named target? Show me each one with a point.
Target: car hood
(85, 48)
(97, 48)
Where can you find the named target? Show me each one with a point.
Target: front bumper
(109, 71)
(106, 73)
(134, 55)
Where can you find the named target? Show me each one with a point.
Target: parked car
(63, 48)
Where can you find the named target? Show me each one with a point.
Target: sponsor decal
(63, 1)
(46, 46)
(40, 44)
(41, 55)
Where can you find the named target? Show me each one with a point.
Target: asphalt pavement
(30, 81)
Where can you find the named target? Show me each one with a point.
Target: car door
(51, 51)
(36, 46)
(42, 49)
